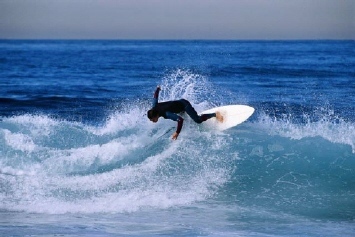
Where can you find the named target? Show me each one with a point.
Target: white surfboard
(232, 116)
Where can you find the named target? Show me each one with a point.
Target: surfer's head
(153, 115)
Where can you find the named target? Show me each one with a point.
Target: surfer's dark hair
(152, 113)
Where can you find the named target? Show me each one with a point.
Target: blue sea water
(78, 157)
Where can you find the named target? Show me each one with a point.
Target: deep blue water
(78, 157)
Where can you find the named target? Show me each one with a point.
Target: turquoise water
(78, 157)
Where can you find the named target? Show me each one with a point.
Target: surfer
(170, 109)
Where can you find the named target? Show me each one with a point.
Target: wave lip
(335, 130)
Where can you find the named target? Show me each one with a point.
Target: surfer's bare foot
(219, 117)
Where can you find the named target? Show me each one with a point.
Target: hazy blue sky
(177, 19)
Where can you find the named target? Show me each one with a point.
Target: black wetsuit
(170, 109)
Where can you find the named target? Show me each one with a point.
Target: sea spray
(327, 126)
(125, 164)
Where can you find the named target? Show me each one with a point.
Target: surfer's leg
(193, 114)
(205, 117)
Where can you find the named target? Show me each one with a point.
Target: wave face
(78, 155)
(57, 166)
(128, 164)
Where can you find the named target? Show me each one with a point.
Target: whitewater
(77, 161)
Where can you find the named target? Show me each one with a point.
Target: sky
(177, 19)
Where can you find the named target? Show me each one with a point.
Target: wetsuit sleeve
(177, 118)
(155, 97)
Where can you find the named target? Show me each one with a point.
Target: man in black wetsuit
(170, 109)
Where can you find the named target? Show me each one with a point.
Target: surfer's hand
(175, 135)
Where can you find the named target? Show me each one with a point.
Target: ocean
(79, 157)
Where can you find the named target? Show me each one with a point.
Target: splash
(191, 86)
(124, 165)
(328, 126)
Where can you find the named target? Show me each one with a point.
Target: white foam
(10, 171)
(74, 159)
(170, 173)
(334, 130)
(120, 121)
(38, 125)
(147, 184)
(19, 141)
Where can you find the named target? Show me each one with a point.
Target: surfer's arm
(156, 96)
(179, 120)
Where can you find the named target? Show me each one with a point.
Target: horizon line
(149, 39)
